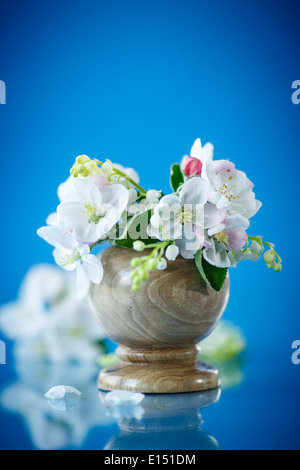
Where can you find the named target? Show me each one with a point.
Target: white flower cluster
(47, 323)
(208, 213)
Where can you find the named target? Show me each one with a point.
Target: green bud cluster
(272, 259)
(84, 166)
(145, 264)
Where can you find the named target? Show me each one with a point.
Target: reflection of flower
(47, 321)
(223, 349)
(55, 427)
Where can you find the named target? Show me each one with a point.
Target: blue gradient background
(137, 82)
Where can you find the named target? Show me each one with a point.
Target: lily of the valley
(72, 255)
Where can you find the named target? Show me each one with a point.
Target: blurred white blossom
(47, 322)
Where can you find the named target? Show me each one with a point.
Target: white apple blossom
(72, 255)
(231, 189)
(208, 211)
(185, 216)
(229, 235)
(94, 209)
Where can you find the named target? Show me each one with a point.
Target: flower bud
(255, 248)
(172, 252)
(138, 245)
(268, 257)
(135, 287)
(135, 262)
(152, 264)
(162, 264)
(81, 159)
(271, 264)
(153, 196)
(192, 166)
(278, 267)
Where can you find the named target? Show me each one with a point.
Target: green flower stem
(130, 180)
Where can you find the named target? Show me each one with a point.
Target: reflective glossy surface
(256, 409)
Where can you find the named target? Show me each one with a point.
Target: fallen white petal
(59, 392)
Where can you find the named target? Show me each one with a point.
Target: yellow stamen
(222, 237)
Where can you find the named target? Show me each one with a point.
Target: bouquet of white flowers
(205, 218)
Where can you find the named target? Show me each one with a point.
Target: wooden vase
(157, 327)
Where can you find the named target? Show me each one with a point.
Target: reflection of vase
(166, 422)
(158, 327)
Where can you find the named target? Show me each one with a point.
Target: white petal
(82, 282)
(218, 199)
(71, 215)
(213, 216)
(208, 150)
(196, 150)
(87, 191)
(65, 190)
(93, 268)
(189, 242)
(59, 391)
(167, 205)
(236, 220)
(194, 192)
(52, 219)
(216, 255)
(57, 237)
(116, 196)
(216, 229)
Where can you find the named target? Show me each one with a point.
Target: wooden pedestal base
(158, 371)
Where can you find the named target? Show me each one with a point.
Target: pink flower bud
(192, 166)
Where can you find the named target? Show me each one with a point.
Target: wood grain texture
(158, 326)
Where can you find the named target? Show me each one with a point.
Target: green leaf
(136, 229)
(213, 276)
(176, 176)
